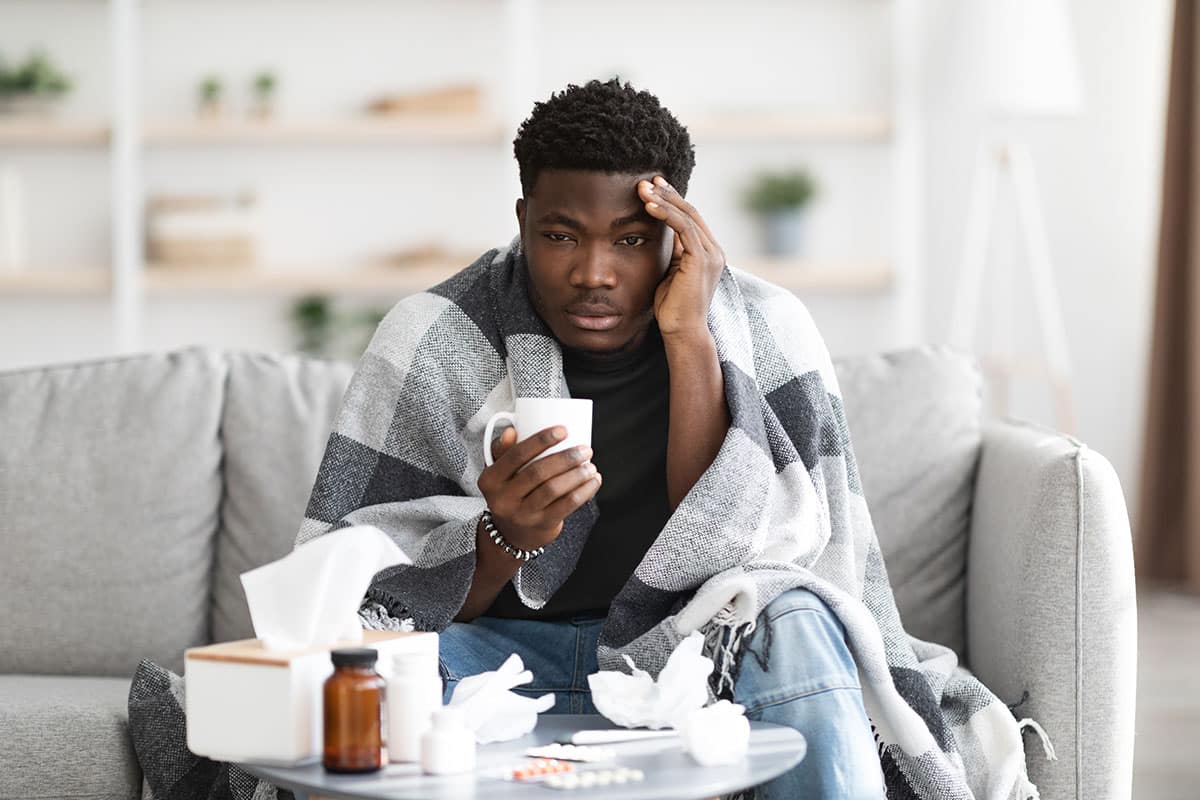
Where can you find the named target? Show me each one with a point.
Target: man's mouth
(593, 317)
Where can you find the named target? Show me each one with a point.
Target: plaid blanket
(781, 506)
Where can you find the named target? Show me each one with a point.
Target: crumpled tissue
(496, 713)
(637, 700)
(716, 734)
(311, 596)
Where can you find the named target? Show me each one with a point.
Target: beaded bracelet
(521, 555)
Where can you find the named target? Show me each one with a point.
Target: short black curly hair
(604, 126)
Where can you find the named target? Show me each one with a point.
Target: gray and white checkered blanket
(781, 506)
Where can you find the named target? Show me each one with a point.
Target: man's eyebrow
(556, 217)
(637, 216)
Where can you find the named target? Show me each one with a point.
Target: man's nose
(593, 270)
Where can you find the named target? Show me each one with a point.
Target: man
(719, 495)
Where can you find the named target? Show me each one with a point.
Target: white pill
(555, 781)
(636, 775)
(570, 781)
(604, 777)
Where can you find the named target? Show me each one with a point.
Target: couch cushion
(278, 413)
(109, 489)
(914, 419)
(66, 737)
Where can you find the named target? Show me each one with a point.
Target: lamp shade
(1032, 67)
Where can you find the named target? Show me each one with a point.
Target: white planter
(783, 233)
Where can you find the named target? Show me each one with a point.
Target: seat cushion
(278, 413)
(109, 489)
(914, 418)
(66, 736)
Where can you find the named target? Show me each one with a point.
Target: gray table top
(670, 773)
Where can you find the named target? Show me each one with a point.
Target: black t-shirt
(630, 411)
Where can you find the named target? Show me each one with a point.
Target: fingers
(526, 481)
(526, 450)
(549, 491)
(573, 500)
(664, 195)
(508, 438)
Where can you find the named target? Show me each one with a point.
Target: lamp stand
(1053, 364)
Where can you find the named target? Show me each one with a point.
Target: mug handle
(487, 433)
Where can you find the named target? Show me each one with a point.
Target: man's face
(595, 257)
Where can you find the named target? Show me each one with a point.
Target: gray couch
(134, 491)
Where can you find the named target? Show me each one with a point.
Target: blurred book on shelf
(202, 230)
(463, 98)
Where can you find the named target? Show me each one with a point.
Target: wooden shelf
(433, 129)
(445, 128)
(19, 131)
(815, 127)
(394, 281)
(57, 281)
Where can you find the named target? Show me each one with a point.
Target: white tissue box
(247, 703)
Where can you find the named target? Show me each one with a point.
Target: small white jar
(414, 693)
(448, 747)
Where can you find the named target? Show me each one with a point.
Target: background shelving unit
(134, 136)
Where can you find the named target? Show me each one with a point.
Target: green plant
(210, 89)
(37, 76)
(781, 191)
(324, 331)
(264, 84)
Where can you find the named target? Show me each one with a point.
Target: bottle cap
(354, 657)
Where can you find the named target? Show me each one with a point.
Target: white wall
(1099, 176)
(331, 204)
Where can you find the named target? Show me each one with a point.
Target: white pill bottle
(448, 747)
(414, 693)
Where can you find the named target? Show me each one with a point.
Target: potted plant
(264, 86)
(779, 200)
(324, 331)
(32, 87)
(209, 93)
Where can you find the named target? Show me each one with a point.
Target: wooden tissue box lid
(252, 651)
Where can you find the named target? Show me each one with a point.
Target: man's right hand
(529, 505)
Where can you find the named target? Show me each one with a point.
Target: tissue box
(247, 703)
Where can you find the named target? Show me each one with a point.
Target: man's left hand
(682, 298)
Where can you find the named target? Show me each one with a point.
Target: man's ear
(521, 216)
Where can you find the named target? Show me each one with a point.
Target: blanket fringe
(1047, 747)
(723, 641)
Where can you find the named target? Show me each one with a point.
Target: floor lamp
(1031, 72)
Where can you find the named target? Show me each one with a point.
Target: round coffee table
(670, 773)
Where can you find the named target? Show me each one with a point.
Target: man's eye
(636, 243)
(551, 236)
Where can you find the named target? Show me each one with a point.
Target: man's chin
(601, 343)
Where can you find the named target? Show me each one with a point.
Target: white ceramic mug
(535, 414)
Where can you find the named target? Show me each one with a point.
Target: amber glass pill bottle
(355, 702)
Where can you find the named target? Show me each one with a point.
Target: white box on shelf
(247, 703)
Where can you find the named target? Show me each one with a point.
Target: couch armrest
(1051, 608)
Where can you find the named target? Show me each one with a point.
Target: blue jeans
(796, 670)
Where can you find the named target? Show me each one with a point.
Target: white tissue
(492, 710)
(717, 734)
(636, 701)
(311, 596)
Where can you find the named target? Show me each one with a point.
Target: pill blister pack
(538, 768)
(573, 752)
(586, 779)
